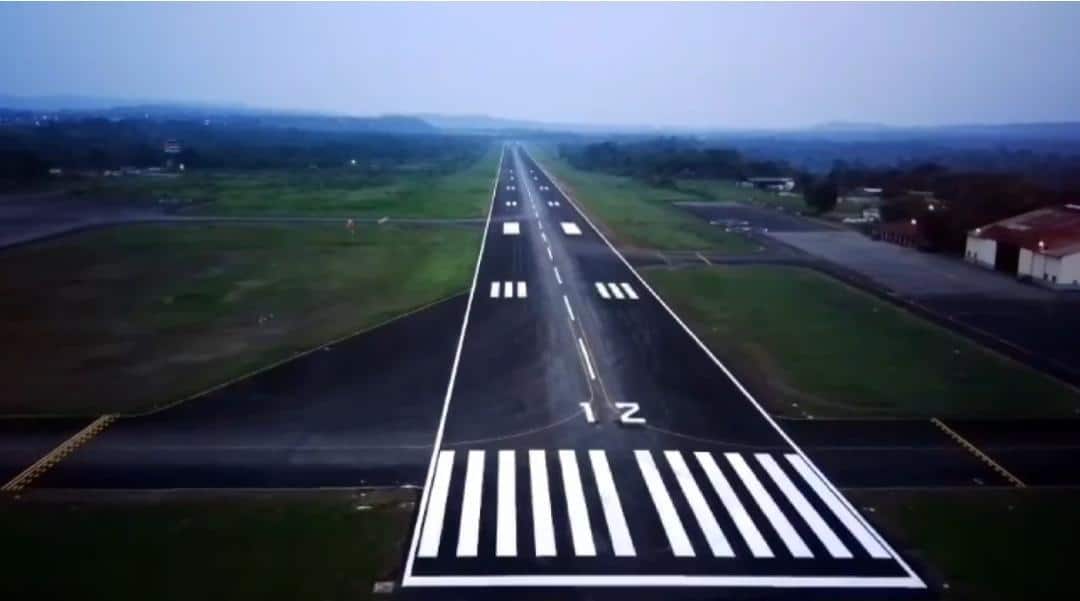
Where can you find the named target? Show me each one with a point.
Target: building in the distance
(777, 184)
(1041, 245)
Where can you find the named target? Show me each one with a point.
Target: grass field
(817, 346)
(639, 215)
(325, 546)
(722, 190)
(331, 192)
(998, 545)
(129, 318)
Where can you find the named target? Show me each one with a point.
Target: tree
(821, 196)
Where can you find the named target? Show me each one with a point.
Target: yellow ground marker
(997, 467)
(56, 455)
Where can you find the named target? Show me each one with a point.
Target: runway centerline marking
(568, 309)
(585, 354)
(558, 278)
(550, 256)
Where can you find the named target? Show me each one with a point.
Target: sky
(692, 65)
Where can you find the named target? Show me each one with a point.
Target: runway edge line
(39, 467)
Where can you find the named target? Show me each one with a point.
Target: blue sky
(700, 65)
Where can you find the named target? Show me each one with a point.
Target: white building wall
(981, 251)
(1026, 259)
(1070, 270)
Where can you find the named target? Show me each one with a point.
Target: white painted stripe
(469, 532)
(668, 580)
(506, 516)
(734, 507)
(543, 524)
(508, 290)
(550, 256)
(580, 529)
(861, 534)
(436, 512)
(425, 495)
(558, 278)
(718, 543)
(511, 228)
(544, 236)
(609, 500)
(615, 291)
(568, 309)
(585, 354)
(570, 228)
(602, 290)
(779, 523)
(803, 507)
(495, 290)
(540, 224)
(673, 528)
(629, 291)
(523, 290)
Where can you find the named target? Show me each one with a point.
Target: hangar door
(1007, 258)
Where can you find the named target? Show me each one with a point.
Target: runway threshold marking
(997, 467)
(911, 580)
(39, 467)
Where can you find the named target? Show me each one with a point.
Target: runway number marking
(628, 413)
(590, 417)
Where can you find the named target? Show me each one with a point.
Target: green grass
(722, 190)
(1004, 545)
(640, 215)
(323, 192)
(129, 318)
(817, 346)
(296, 546)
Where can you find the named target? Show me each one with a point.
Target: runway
(589, 439)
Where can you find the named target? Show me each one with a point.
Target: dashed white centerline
(558, 278)
(550, 256)
(585, 354)
(544, 236)
(568, 309)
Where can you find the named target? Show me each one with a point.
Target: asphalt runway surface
(359, 413)
(590, 440)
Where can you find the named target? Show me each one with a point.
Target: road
(589, 439)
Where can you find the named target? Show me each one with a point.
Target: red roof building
(1043, 245)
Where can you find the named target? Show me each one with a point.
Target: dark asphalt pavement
(358, 413)
(589, 440)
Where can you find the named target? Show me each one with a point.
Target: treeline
(662, 161)
(29, 150)
(946, 202)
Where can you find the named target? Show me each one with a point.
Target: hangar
(1041, 245)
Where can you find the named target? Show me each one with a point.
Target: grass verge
(326, 545)
(815, 346)
(999, 545)
(319, 192)
(128, 318)
(639, 215)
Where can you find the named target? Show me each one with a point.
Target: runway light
(1042, 245)
(978, 231)
(914, 222)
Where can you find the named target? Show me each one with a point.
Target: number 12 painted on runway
(627, 413)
